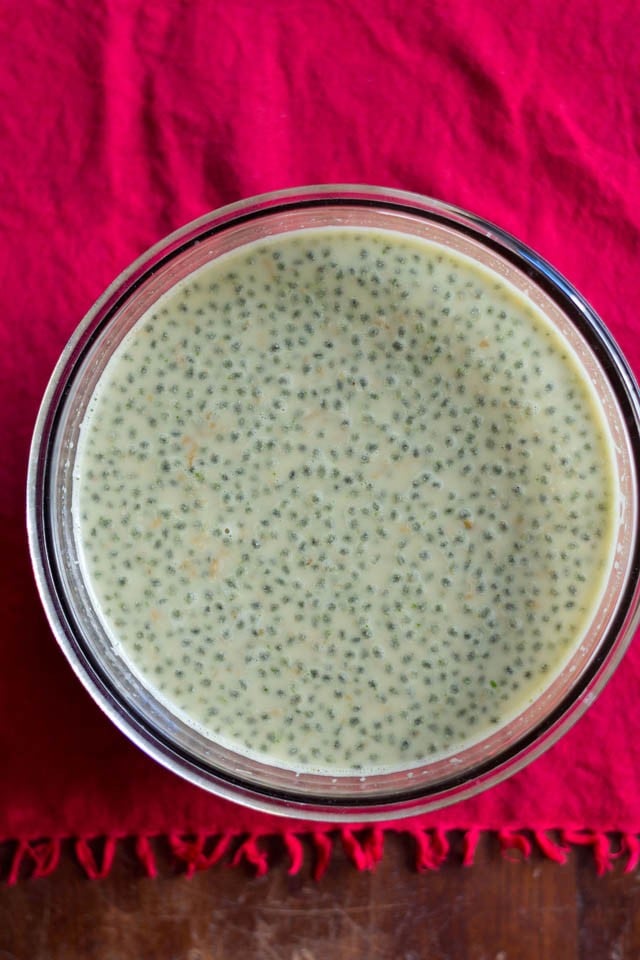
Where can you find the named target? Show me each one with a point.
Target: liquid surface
(345, 500)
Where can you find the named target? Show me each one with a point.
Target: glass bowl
(69, 600)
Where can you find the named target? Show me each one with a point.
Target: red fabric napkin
(122, 120)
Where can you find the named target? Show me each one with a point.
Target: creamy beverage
(345, 500)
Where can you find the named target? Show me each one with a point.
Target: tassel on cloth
(324, 846)
(251, 852)
(600, 844)
(192, 850)
(558, 852)
(470, 845)
(432, 849)
(146, 855)
(631, 846)
(87, 856)
(364, 853)
(44, 854)
(513, 843)
(295, 851)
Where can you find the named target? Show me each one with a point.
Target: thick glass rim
(44, 545)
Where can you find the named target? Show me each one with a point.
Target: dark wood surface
(496, 910)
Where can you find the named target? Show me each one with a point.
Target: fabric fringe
(87, 853)
(363, 847)
(251, 852)
(146, 856)
(601, 845)
(469, 846)
(558, 852)
(43, 854)
(296, 853)
(364, 851)
(323, 844)
(514, 845)
(432, 849)
(199, 853)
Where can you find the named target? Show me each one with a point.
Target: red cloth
(121, 120)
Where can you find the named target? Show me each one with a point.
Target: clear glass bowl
(79, 631)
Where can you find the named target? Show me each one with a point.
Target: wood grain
(498, 909)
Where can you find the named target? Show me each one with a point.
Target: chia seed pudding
(345, 500)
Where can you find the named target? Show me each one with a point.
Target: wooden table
(496, 910)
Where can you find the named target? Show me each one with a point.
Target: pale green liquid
(345, 501)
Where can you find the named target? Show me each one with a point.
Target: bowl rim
(87, 667)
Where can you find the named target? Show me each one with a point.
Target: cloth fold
(123, 120)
